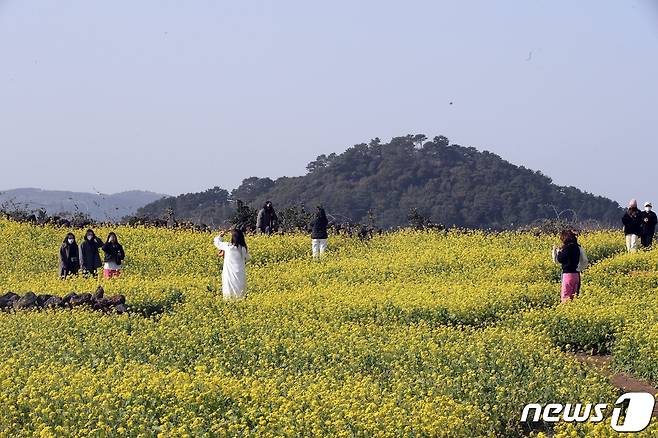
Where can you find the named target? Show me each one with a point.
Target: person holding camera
(234, 273)
(573, 260)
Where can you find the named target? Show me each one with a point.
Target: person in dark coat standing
(632, 226)
(267, 222)
(319, 234)
(69, 257)
(114, 256)
(648, 222)
(90, 260)
(569, 257)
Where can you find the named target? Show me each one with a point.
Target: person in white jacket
(234, 274)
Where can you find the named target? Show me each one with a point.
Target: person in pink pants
(569, 256)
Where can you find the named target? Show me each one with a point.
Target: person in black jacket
(90, 260)
(319, 233)
(114, 256)
(69, 257)
(648, 221)
(632, 226)
(569, 257)
(267, 221)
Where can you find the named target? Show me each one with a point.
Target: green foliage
(210, 207)
(244, 217)
(403, 335)
(294, 218)
(450, 184)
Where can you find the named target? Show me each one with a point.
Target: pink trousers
(110, 273)
(570, 286)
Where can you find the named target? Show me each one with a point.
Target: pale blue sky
(185, 95)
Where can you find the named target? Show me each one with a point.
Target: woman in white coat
(234, 275)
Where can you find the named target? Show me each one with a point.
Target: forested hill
(448, 183)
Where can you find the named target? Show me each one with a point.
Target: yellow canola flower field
(409, 334)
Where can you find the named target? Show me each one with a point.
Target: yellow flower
(410, 334)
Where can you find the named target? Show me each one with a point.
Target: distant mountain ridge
(382, 182)
(99, 206)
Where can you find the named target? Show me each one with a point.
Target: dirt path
(623, 381)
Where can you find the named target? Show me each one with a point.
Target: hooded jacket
(267, 219)
(89, 257)
(319, 225)
(632, 221)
